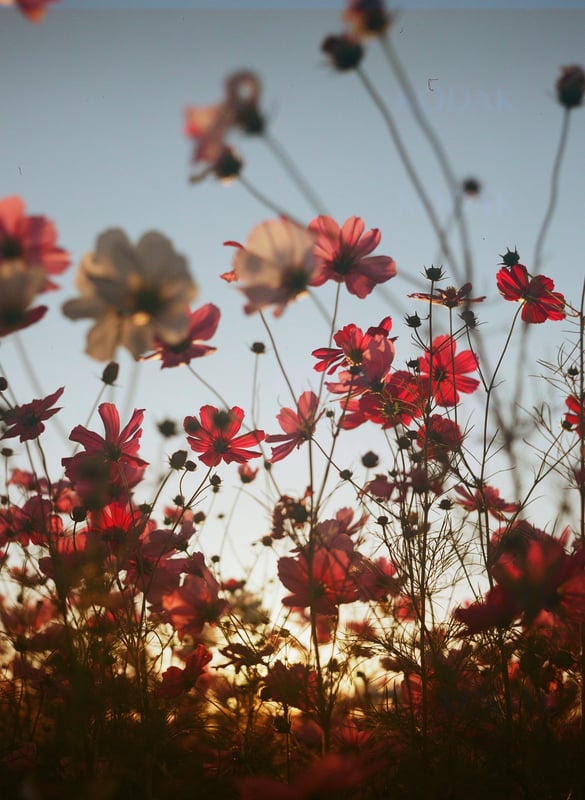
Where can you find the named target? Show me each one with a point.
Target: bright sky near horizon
(92, 138)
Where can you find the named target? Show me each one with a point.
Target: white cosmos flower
(133, 292)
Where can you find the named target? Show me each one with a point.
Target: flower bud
(344, 51)
(571, 86)
(110, 373)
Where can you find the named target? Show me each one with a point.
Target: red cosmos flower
(539, 301)
(202, 325)
(485, 499)
(298, 427)
(397, 403)
(176, 681)
(439, 438)
(34, 10)
(195, 602)
(445, 371)
(575, 416)
(209, 125)
(322, 581)
(498, 609)
(26, 421)
(110, 465)
(115, 523)
(333, 776)
(30, 240)
(293, 685)
(352, 345)
(342, 255)
(451, 297)
(214, 436)
(246, 473)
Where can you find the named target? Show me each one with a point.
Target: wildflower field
(410, 619)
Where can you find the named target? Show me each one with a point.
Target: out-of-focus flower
(195, 602)
(26, 421)
(451, 297)
(445, 371)
(31, 241)
(323, 581)
(246, 473)
(34, 10)
(570, 86)
(202, 325)
(485, 499)
(367, 17)
(291, 684)
(177, 681)
(298, 426)
(439, 438)
(575, 417)
(345, 51)
(275, 266)
(342, 255)
(213, 435)
(19, 285)
(539, 301)
(208, 126)
(110, 466)
(134, 293)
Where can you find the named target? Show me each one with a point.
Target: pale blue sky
(92, 137)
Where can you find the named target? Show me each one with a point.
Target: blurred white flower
(134, 293)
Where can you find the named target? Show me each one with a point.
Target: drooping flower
(446, 372)
(539, 301)
(208, 126)
(342, 255)
(367, 17)
(451, 297)
(26, 420)
(575, 417)
(109, 465)
(213, 435)
(202, 325)
(134, 293)
(298, 426)
(275, 266)
(570, 86)
(31, 241)
(19, 285)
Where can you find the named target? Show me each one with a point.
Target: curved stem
(295, 174)
(410, 169)
(554, 192)
(266, 201)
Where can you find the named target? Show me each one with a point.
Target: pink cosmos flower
(26, 421)
(32, 241)
(202, 325)
(19, 285)
(195, 602)
(214, 436)
(445, 371)
(110, 464)
(275, 266)
(485, 499)
(298, 426)
(323, 582)
(352, 346)
(208, 126)
(342, 255)
(575, 416)
(177, 681)
(539, 301)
